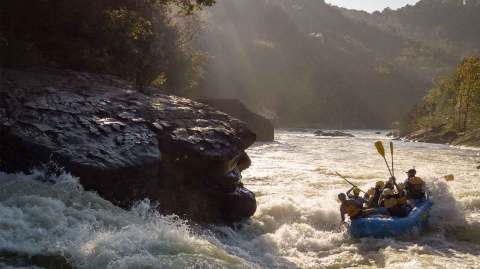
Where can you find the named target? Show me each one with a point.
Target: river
(45, 225)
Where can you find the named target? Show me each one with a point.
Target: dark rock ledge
(260, 125)
(125, 145)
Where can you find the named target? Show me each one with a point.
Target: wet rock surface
(437, 134)
(332, 133)
(469, 138)
(125, 145)
(441, 134)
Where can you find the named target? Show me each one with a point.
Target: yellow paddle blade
(380, 148)
(449, 177)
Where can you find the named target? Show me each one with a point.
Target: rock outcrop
(469, 138)
(395, 134)
(332, 134)
(441, 134)
(125, 145)
(260, 125)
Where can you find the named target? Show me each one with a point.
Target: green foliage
(453, 101)
(134, 39)
(467, 82)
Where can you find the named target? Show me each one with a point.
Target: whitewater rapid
(49, 221)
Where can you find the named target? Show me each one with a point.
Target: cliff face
(125, 145)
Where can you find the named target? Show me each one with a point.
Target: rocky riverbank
(442, 135)
(125, 145)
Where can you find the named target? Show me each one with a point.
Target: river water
(45, 225)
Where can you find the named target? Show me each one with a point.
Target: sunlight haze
(239, 134)
(371, 5)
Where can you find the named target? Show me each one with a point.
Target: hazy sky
(371, 5)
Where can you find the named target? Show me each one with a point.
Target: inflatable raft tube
(380, 227)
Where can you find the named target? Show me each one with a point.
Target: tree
(468, 76)
(134, 39)
(453, 101)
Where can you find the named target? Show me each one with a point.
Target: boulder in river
(125, 145)
(437, 134)
(332, 133)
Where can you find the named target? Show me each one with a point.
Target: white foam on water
(447, 211)
(298, 214)
(286, 234)
(41, 218)
(296, 224)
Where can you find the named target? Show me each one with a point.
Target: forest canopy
(134, 39)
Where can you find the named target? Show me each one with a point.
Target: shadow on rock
(125, 145)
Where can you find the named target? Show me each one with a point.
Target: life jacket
(401, 198)
(414, 187)
(351, 208)
(394, 208)
(374, 199)
(416, 181)
(389, 202)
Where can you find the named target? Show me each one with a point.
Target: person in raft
(391, 203)
(353, 208)
(391, 183)
(401, 196)
(414, 186)
(375, 194)
(382, 199)
(356, 196)
(349, 207)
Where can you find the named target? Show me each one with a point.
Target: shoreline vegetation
(450, 111)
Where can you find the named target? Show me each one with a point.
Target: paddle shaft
(391, 153)
(344, 178)
(388, 166)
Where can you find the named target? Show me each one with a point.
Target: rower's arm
(342, 214)
(395, 183)
(349, 191)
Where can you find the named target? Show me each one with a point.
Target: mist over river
(296, 224)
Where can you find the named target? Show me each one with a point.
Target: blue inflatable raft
(380, 227)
